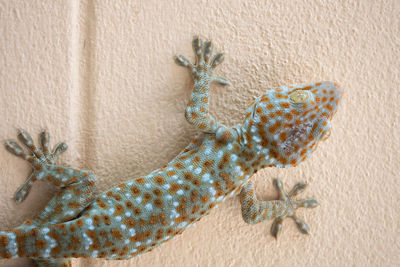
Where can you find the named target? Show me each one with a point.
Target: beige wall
(100, 75)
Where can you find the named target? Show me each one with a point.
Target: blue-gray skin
(281, 129)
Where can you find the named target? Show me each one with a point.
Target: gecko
(281, 128)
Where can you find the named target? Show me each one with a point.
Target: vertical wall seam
(74, 57)
(83, 76)
(88, 82)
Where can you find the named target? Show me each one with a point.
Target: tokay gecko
(281, 128)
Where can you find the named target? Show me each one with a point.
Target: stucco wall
(100, 75)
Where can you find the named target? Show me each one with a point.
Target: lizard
(281, 128)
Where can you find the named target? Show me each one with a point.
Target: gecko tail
(48, 245)
(36, 242)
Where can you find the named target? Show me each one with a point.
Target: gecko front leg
(255, 211)
(197, 111)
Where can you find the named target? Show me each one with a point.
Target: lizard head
(285, 125)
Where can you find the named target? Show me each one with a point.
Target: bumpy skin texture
(281, 129)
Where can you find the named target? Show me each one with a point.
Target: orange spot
(274, 127)
(96, 219)
(73, 180)
(285, 105)
(174, 187)
(158, 202)
(295, 112)
(159, 180)
(288, 125)
(3, 241)
(140, 180)
(329, 107)
(119, 209)
(106, 219)
(282, 160)
(188, 176)
(324, 114)
(281, 96)
(137, 211)
(157, 192)
(283, 136)
(288, 116)
(116, 233)
(264, 99)
(74, 205)
(270, 106)
(264, 118)
(6, 255)
(178, 165)
(208, 163)
(135, 190)
(41, 244)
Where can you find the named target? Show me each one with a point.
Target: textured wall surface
(100, 75)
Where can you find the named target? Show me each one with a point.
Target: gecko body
(281, 129)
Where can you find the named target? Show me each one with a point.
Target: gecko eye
(325, 135)
(299, 96)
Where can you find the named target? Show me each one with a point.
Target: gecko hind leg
(44, 155)
(76, 186)
(292, 205)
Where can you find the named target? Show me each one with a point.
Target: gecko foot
(37, 158)
(204, 65)
(292, 204)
